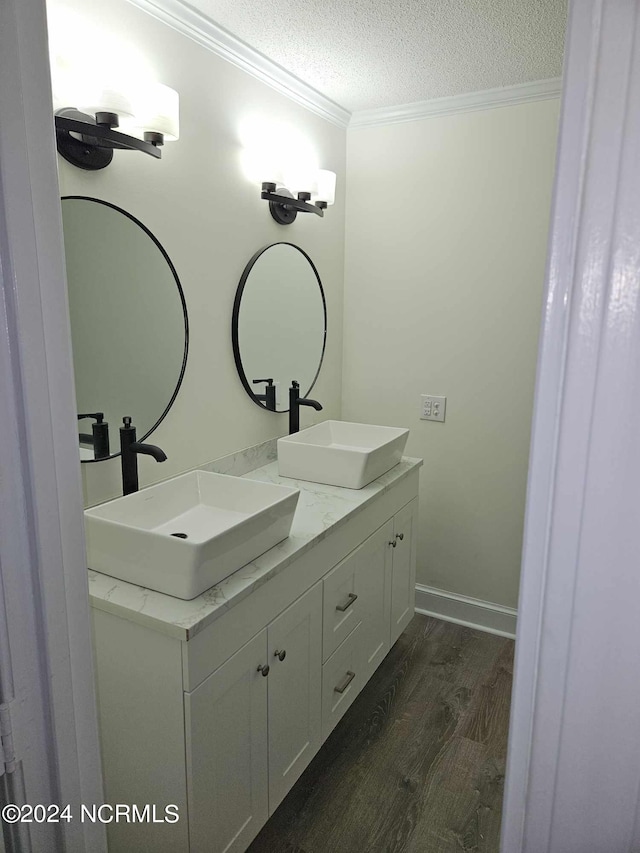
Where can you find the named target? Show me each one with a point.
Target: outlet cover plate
(432, 408)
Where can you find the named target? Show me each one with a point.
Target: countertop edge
(186, 632)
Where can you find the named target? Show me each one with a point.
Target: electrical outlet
(432, 408)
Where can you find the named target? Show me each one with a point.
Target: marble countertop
(320, 510)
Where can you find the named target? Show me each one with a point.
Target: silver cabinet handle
(343, 607)
(280, 654)
(400, 536)
(347, 681)
(393, 543)
(264, 669)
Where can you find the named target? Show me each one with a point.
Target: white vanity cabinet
(221, 720)
(252, 727)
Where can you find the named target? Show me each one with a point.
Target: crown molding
(189, 22)
(523, 93)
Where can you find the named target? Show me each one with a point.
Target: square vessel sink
(187, 534)
(340, 453)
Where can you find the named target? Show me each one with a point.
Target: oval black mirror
(279, 325)
(129, 324)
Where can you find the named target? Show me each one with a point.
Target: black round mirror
(129, 325)
(279, 325)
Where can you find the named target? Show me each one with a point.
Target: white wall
(446, 234)
(211, 220)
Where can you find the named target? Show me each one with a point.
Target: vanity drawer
(341, 605)
(342, 680)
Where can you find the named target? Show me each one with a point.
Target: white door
(403, 576)
(227, 775)
(295, 688)
(374, 562)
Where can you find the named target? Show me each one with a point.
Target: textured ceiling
(376, 53)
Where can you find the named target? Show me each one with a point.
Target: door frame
(46, 670)
(573, 770)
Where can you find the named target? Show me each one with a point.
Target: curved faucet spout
(305, 401)
(148, 450)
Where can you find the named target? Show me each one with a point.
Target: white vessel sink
(340, 453)
(187, 534)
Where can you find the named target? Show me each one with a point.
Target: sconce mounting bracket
(284, 207)
(90, 146)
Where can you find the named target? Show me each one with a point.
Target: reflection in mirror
(279, 325)
(129, 324)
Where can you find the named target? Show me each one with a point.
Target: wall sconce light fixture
(284, 207)
(89, 142)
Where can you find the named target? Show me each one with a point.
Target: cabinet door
(295, 688)
(403, 576)
(227, 776)
(374, 560)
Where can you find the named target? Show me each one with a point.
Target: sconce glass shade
(96, 98)
(159, 111)
(259, 166)
(298, 172)
(325, 189)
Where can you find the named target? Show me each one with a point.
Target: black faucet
(269, 395)
(295, 401)
(129, 448)
(99, 438)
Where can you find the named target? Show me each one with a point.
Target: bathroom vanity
(217, 705)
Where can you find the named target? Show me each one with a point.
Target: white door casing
(45, 617)
(573, 774)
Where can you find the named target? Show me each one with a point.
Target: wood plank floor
(417, 763)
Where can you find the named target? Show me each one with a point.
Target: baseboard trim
(463, 610)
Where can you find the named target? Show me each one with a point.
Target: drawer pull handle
(343, 607)
(393, 543)
(280, 654)
(264, 669)
(347, 681)
(400, 536)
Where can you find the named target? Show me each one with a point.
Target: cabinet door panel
(403, 577)
(227, 775)
(373, 586)
(295, 687)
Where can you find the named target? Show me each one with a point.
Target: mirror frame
(182, 302)
(236, 313)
